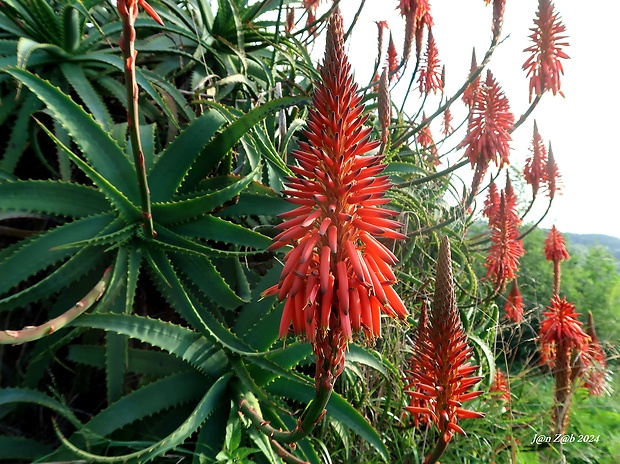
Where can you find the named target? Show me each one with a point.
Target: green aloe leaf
(55, 198)
(21, 449)
(174, 162)
(32, 397)
(20, 135)
(30, 256)
(207, 405)
(201, 203)
(182, 342)
(220, 230)
(217, 148)
(104, 155)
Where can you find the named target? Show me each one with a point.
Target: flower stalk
(128, 10)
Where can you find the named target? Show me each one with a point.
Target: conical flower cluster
(560, 330)
(440, 373)
(534, 172)
(430, 77)
(337, 278)
(514, 303)
(500, 386)
(544, 66)
(555, 251)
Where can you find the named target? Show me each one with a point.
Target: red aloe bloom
(514, 303)
(561, 336)
(544, 65)
(430, 78)
(445, 377)
(411, 381)
(392, 59)
(555, 250)
(511, 202)
(498, 16)
(553, 175)
(561, 329)
(381, 26)
(500, 385)
(469, 95)
(311, 7)
(384, 104)
(447, 122)
(425, 139)
(506, 249)
(534, 172)
(555, 247)
(490, 123)
(491, 204)
(290, 18)
(337, 278)
(595, 371)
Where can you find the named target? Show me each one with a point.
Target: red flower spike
(534, 171)
(490, 123)
(418, 403)
(560, 328)
(384, 104)
(442, 374)
(553, 175)
(514, 303)
(498, 17)
(425, 139)
(381, 26)
(511, 202)
(469, 95)
(337, 277)
(430, 78)
(555, 247)
(491, 204)
(555, 250)
(290, 19)
(505, 251)
(447, 122)
(130, 7)
(500, 386)
(544, 67)
(392, 59)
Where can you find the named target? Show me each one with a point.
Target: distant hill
(588, 240)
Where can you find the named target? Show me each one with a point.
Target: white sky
(582, 127)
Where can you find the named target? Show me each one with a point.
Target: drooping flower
(445, 378)
(430, 75)
(534, 171)
(514, 303)
(337, 278)
(555, 251)
(500, 386)
(506, 249)
(544, 66)
(392, 59)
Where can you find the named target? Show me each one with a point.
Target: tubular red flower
(514, 303)
(501, 386)
(491, 203)
(534, 171)
(337, 278)
(442, 374)
(430, 78)
(447, 128)
(130, 7)
(506, 249)
(544, 66)
(469, 95)
(490, 123)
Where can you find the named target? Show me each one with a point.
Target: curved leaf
(30, 256)
(55, 198)
(174, 162)
(21, 449)
(214, 228)
(100, 150)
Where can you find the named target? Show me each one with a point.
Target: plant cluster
(162, 300)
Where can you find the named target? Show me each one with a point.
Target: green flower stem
(28, 334)
(128, 38)
(312, 415)
(439, 449)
